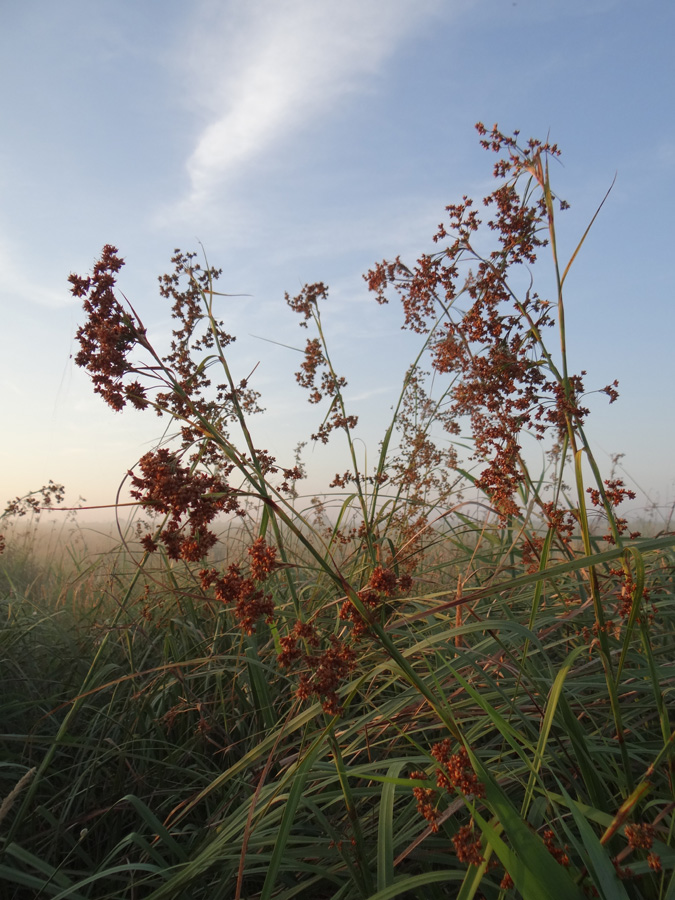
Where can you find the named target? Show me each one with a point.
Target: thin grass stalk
(366, 880)
(605, 653)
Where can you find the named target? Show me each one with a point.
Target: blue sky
(304, 140)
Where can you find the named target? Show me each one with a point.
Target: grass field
(444, 679)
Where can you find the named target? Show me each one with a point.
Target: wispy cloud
(261, 72)
(18, 283)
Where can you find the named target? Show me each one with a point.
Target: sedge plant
(451, 685)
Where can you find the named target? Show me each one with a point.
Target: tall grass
(446, 685)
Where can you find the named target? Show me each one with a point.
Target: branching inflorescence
(506, 380)
(499, 375)
(384, 630)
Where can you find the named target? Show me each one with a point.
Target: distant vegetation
(449, 678)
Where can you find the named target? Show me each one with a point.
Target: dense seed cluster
(244, 593)
(455, 771)
(180, 492)
(109, 335)
(504, 380)
(325, 667)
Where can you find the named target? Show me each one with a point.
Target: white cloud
(262, 71)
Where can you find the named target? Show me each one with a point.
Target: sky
(304, 140)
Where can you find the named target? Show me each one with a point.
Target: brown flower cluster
(654, 862)
(467, 844)
(344, 480)
(180, 492)
(562, 521)
(640, 836)
(558, 853)
(425, 798)
(615, 492)
(530, 552)
(423, 468)
(244, 593)
(263, 559)
(383, 583)
(191, 496)
(495, 348)
(191, 288)
(306, 303)
(611, 391)
(36, 501)
(33, 503)
(109, 334)
(112, 332)
(455, 772)
(326, 669)
(626, 592)
(309, 367)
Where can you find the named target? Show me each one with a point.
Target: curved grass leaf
(535, 872)
(385, 832)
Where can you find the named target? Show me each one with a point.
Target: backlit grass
(448, 678)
